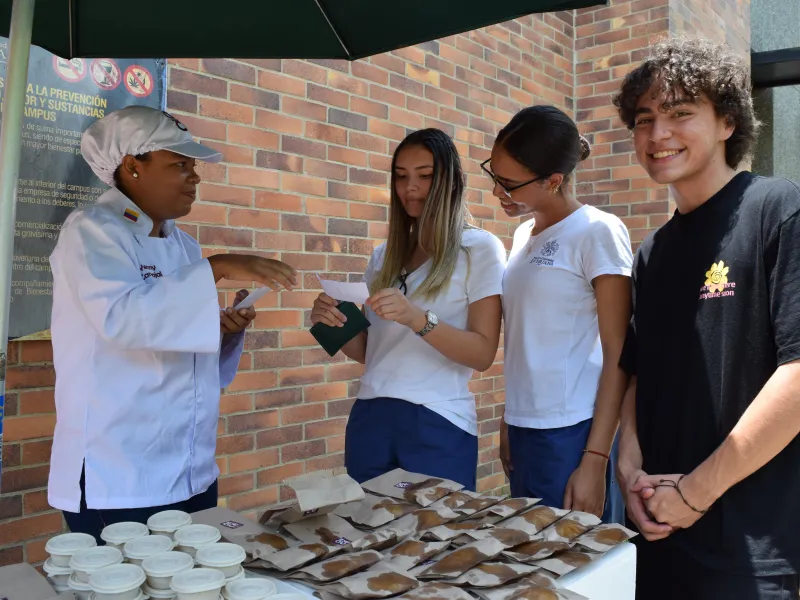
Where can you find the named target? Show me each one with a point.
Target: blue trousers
(544, 459)
(384, 434)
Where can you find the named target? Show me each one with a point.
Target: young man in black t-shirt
(709, 440)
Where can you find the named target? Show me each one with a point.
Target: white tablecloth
(611, 577)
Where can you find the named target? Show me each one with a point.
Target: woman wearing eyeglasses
(435, 317)
(566, 303)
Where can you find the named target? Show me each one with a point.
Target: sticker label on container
(232, 524)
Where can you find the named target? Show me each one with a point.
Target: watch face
(433, 319)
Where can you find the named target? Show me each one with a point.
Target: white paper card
(253, 297)
(346, 292)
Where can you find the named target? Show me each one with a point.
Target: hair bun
(586, 148)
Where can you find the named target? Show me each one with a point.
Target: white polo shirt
(402, 365)
(553, 356)
(139, 361)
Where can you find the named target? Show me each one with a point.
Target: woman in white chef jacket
(140, 345)
(435, 317)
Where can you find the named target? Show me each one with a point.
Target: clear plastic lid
(78, 586)
(117, 579)
(167, 564)
(288, 596)
(142, 547)
(198, 580)
(220, 555)
(197, 535)
(249, 589)
(69, 543)
(92, 559)
(52, 569)
(119, 533)
(169, 520)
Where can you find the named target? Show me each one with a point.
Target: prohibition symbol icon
(69, 70)
(105, 73)
(138, 81)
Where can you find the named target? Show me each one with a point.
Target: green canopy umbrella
(344, 29)
(348, 29)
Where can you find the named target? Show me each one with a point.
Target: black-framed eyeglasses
(506, 188)
(403, 286)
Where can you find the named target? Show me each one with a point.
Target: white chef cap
(136, 130)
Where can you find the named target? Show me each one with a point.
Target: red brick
(255, 219)
(226, 111)
(277, 160)
(367, 142)
(29, 376)
(225, 194)
(28, 528)
(279, 241)
(305, 147)
(304, 185)
(11, 556)
(303, 223)
(279, 436)
(302, 450)
(279, 474)
(243, 502)
(327, 96)
(367, 107)
(364, 70)
(224, 236)
(302, 108)
(200, 84)
(281, 83)
(386, 95)
(276, 201)
(252, 421)
(391, 63)
(20, 480)
(352, 85)
(36, 453)
(325, 169)
(236, 484)
(230, 69)
(325, 392)
(259, 380)
(36, 502)
(26, 428)
(326, 133)
(290, 377)
(253, 177)
(305, 70)
(34, 403)
(279, 122)
(255, 97)
(253, 460)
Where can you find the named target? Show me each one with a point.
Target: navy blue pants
(93, 521)
(544, 460)
(384, 434)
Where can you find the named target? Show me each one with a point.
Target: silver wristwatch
(432, 321)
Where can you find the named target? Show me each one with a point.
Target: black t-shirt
(716, 311)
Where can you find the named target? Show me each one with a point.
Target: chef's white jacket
(139, 361)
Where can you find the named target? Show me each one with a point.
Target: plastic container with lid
(168, 522)
(118, 534)
(155, 594)
(86, 562)
(141, 596)
(190, 538)
(140, 548)
(118, 582)
(58, 576)
(288, 596)
(236, 577)
(224, 557)
(198, 584)
(249, 589)
(62, 547)
(161, 568)
(82, 591)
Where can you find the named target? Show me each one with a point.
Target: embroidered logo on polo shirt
(548, 250)
(716, 284)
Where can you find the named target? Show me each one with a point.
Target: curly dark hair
(689, 67)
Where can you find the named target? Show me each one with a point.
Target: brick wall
(308, 146)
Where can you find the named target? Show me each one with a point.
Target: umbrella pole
(10, 151)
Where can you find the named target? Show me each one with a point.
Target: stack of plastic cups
(224, 557)
(249, 589)
(119, 582)
(160, 569)
(198, 584)
(87, 562)
(118, 534)
(191, 538)
(61, 548)
(168, 522)
(140, 548)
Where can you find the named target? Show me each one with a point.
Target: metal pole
(10, 150)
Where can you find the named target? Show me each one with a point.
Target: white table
(611, 577)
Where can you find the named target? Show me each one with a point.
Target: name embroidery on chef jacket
(546, 254)
(717, 284)
(149, 271)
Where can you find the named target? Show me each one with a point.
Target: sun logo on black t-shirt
(717, 277)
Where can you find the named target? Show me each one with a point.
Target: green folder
(333, 338)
